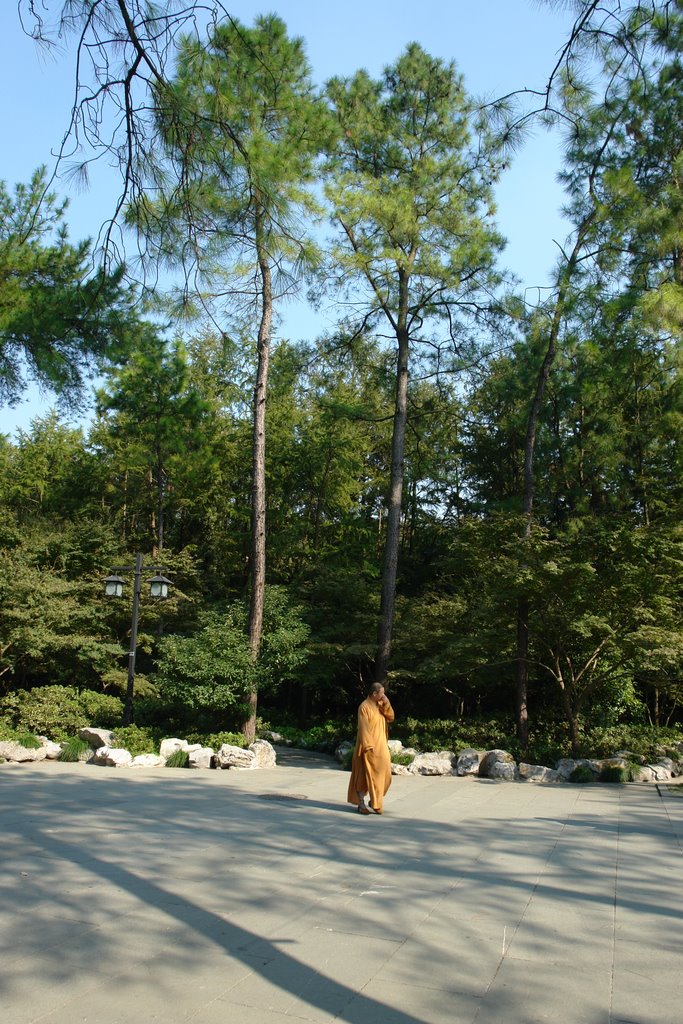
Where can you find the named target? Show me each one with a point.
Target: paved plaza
(143, 895)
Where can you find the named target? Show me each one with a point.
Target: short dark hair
(375, 687)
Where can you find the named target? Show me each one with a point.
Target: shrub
(582, 774)
(73, 749)
(178, 759)
(217, 739)
(644, 740)
(58, 711)
(404, 759)
(136, 740)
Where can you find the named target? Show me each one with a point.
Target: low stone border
(500, 764)
(487, 764)
(260, 754)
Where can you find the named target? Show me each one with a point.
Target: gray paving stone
(261, 897)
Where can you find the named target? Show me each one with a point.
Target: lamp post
(113, 587)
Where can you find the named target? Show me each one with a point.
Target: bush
(217, 739)
(178, 759)
(404, 759)
(58, 711)
(644, 740)
(582, 774)
(136, 740)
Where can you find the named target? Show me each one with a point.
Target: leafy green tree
(210, 674)
(158, 424)
(59, 318)
(249, 166)
(410, 191)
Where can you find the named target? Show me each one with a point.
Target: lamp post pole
(130, 685)
(113, 587)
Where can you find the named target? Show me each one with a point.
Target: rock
(395, 746)
(667, 762)
(13, 751)
(613, 762)
(492, 757)
(399, 769)
(643, 773)
(505, 770)
(228, 756)
(264, 753)
(200, 758)
(436, 763)
(276, 737)
(660, 772)
(342, 750)
(52, 750)
(97, 737)
(538, 773)
(148, 761)
(171, 745)
(566, 765)
(468, 762)
(113, 757)
(630, 756)
(409, 751)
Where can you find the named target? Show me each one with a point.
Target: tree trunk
(258, 484)
(391, 543)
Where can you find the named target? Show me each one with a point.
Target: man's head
(376, 692)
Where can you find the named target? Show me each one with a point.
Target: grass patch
(73, 749)
(178, 759)
(582, 774)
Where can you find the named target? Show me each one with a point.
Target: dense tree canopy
(446, 460)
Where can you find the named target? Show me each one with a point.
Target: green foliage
(136, 740)
(404, 759)
(215, 740)
(644, 741)
(58, 318)
(178, 759)
(211, 673)
(73, 750)
(614, 773)
(58, 711)
(28, 740)
(582, 774)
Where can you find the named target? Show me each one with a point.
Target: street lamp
(113, 587)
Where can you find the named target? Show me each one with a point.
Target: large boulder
(200, 758)
(566, 765)
(467, 762)
(113, 757)
(148, 761)
(437, 763)
(228, 756)
(97, 737)
(10, 750)
(492, 758)
(538, 773)
(172, 744)
(52, 750)
(400, 769)
(661, 772)
(264, 752)
(395, 746)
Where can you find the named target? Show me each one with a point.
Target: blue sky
(498, 46)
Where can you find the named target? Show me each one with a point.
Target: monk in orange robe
(371, 765)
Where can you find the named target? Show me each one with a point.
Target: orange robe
(371, 765)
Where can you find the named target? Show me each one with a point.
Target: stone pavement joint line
(261, 898)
